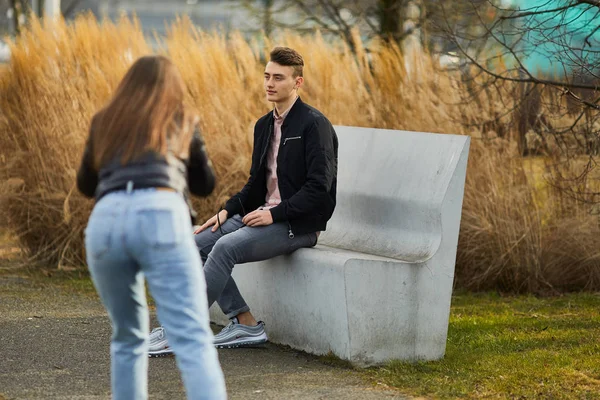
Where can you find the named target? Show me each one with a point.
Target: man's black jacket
(306, 170)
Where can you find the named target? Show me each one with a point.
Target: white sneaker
(238, 335)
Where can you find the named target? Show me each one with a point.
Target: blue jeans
(145, 234)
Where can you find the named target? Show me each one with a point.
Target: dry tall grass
(514, 236)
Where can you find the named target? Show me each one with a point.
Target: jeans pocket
(161, 228)
(99, 234)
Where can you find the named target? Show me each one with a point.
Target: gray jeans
(238, 244)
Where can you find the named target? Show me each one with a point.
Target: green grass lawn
(513, 348)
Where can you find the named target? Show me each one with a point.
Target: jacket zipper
(243, 211)
(291, 138)
(290, 232)
(264, 152)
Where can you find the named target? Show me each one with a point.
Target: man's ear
(299, 82)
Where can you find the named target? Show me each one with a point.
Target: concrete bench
(378, 285)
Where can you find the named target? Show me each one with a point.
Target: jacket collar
(285, 112)
(295, 109)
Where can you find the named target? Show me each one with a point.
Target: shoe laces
(157, 332)
(234, 321)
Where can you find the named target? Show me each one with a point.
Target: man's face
(279, 82)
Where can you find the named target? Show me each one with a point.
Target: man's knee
(225, 247)
(220, 245)
(206, 238)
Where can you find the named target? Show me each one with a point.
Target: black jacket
(306, 170)
(193, 175)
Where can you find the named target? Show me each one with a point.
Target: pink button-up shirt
(273, 197)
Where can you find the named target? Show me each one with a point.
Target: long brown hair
(146, 113)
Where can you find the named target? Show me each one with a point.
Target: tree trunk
(37, 7)
(390, 13)
(268, 17)
(17, 8)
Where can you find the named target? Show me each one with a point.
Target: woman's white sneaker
(159, 346)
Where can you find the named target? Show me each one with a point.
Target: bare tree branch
(517, 15)
(556, 109)
(383, 18)
(595, 3)
(592, 33)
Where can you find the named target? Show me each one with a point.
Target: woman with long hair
(143, 156)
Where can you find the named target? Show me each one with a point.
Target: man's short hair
(289, 58)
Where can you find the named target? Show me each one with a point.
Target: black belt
(132, 186)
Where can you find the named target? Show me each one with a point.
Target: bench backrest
(391, 188)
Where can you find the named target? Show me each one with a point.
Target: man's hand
(214, 222)
(258, 218)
